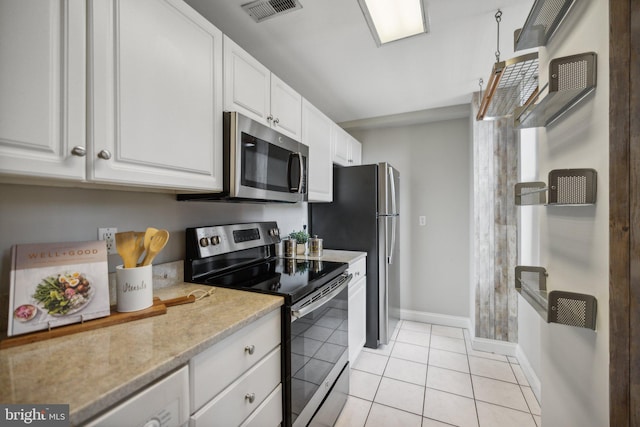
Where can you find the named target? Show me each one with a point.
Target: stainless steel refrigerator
(365, 216)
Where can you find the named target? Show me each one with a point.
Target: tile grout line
(381, 377)
(522, 393)
(473, 391)
(426, 377)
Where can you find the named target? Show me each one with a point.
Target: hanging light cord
(498, 19)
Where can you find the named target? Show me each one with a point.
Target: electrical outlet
(109, 236)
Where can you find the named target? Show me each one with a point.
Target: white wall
(30, 214)
(574, 241)
(434, 164)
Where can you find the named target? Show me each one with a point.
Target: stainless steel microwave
(260, 164)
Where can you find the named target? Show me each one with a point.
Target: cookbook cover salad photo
(55, 284)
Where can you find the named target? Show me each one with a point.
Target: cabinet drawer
(166, 400)
(233, 405)
(269, 413)
(215, 368)
(358, 269)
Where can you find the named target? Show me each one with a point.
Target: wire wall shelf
(544, 19)
(566, 308)
(571, 79)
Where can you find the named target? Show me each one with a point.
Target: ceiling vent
(261, 10)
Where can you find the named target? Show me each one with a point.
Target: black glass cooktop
(293, 278)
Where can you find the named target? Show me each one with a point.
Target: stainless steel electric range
(315, 366)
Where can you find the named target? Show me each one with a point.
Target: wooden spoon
(158, 242)
(125, 245)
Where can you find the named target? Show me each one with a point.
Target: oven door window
(319, 341)
(267, 166)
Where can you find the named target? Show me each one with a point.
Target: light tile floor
(428, 376)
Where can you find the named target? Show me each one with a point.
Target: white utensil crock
(134, 288)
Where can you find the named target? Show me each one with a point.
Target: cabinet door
(357, 317)
(355, 150)
(286, 108)
(317, 134)
(341, 146)
(155, 95)
(247, 84)
(42, 88)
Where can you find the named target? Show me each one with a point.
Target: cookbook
(55, 284)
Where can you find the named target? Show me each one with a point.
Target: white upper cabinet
(251, 89)
(346, 150)
(317, 133)
(155, 95)
(42, 88)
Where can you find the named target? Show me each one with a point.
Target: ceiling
(325, 51)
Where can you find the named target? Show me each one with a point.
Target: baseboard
(494, 346)
(435, 319)
(479, 344)
(534, 381)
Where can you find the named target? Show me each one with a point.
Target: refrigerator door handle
(392, 184)
(393, 240)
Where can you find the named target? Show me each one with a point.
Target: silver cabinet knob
(250, 397)
(276, 121)
(250, 349)
(79, 151)
(104, 154)
(269, 117)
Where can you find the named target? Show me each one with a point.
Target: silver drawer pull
(250, 349)
(250, 397)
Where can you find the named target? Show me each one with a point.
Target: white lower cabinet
(357, 308)
(166, 403)
(234, 381)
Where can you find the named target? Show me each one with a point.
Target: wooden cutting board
(159, 307)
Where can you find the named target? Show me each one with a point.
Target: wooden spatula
(158, 242)
(148, 234)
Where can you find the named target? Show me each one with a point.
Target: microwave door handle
(298, 188)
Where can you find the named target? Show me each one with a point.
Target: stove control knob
(215, 240)
(204, 242)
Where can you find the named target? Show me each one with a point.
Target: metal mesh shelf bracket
(531, 283)
(573, 309)
(572, 187)
(530, 193)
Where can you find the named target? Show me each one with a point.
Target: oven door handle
(297, 313)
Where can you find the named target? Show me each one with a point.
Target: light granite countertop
(93, 370)
(336, 255)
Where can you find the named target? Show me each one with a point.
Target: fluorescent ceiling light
(391, 20)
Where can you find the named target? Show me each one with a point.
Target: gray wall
(30, 214)
(434, 164)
